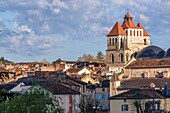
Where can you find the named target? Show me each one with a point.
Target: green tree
(100, 57)
(35, 100)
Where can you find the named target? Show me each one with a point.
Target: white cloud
(74, 19)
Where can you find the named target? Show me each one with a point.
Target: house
(102, 94)
(78, 71)
(134, 100)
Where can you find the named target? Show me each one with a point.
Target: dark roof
(167, 54)
(139, 82)
(8, 87)
(58, 88)
(150, 52)
(138, 94)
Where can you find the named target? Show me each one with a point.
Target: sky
(33, 30)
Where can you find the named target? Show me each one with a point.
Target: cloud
(36, 20)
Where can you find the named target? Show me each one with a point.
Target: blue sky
(50, 29)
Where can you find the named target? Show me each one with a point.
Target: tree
(35, 100)
(86, 104)
(100, 57)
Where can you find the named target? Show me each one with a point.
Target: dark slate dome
(150, 52)
(167, 54)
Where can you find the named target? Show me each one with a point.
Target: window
(103, 96)
(137, 33)
(140, 33)
(110, 41)
(121, 57)
(103, 89)
(103, 106)
(126, 32)
(134, 33)
(97, 97)
(125, 107)
(116, 40)
(112, 57)
(108, 95)
(127, 57)
(130, 32)
(113, 41)
(121, 43)
(144, 41)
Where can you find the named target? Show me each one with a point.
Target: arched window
(121, 57)
(134, 33)
(116, 40)
(140, 33)
(112, 58)
(121, 43)
(110, 41)
(137, 33)
(144, 41)
(113, 41)
(127, 57)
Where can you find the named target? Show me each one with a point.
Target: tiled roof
(138, 94)
(3, 69)
(144, 31)
(129, 24)
(74, 70)
(139, 82)
(116, 30)
(128, 15)
(151, 63)
(58, 88)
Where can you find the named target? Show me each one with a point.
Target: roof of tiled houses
(138, 94)
(116, 30)
(139, 82)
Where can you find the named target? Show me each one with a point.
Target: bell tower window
(121, 57)
(110, 41)
(144, 41)
(121, 43)
(112, 58)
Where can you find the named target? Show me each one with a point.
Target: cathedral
(124, 41)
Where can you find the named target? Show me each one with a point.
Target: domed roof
(167, 54)
(150, 52)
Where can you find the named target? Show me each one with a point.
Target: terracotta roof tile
(116, 30)
(3, 69)
(164, 62)
(138, 94)
(144, 31)
(139, 83)
(128, 15)
(129, 24)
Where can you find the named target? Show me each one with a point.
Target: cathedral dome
(150, 52)
(167, 54)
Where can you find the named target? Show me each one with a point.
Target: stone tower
(124, 41)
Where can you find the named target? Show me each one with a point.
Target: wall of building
(147, 72)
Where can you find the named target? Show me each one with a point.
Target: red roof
(129, 24)
(116, 30)
(144, 31)
(128, 15)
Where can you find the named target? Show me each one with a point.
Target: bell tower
(125, 40)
